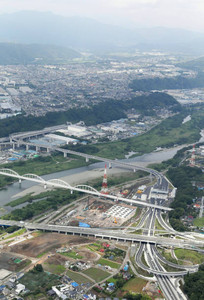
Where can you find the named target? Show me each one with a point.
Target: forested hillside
(158, 83)
(194, 284)
(100, 113)
(11, 54)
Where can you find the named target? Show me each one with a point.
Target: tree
(38, 268)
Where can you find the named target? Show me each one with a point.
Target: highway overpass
(57, 183)
(106, 234)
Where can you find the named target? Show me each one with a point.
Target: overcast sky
(188, 14)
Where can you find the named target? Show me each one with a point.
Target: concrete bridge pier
(45, 186)
(65, 154)
(37, 148)
(27, 147)
(110, 165)
(14, 146)
(134, 170)
(71, 192)
(87, 159)
(150, 177)
(48, 150)
(19, 181)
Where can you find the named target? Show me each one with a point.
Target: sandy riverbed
(83, 177)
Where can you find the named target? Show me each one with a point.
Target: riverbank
(95, 171)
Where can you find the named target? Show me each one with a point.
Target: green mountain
(11, 53)
(178, 82)
(195, 64)
(32, 27)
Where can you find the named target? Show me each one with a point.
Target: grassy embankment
(17, 233)
(189, 255)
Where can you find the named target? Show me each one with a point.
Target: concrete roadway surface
(165, 279)
(106, 234)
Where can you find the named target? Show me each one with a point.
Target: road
(152, 257)
(107, 234)
(57, 183)
(147, 249)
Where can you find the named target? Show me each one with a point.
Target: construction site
(97, 213)
(94, 211)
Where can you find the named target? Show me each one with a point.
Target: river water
(75, 176)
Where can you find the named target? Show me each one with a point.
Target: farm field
(96, 274)
(106, 262)
(78, 277)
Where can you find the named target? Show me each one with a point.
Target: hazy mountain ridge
(195, 64)
(11, 53)
(84, 33)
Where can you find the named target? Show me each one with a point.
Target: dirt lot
(56, 259)
(12, 262)
(88, 255)
(47, 242)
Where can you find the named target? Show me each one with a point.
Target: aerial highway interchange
(147, 241)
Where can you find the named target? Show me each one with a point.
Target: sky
(187, 14)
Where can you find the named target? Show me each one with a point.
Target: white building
(66, 140)
(20, 288)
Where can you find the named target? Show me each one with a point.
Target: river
(79, 175)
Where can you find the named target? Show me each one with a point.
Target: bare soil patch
(56, 259)
(88, 255)
(12, 262)
(47, 242)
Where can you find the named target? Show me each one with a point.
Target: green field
(106, 262)
(135, 285)
(94, 247)
(47, 165)
(55, 269)
(78, 277)
(199, 222)
(42, 166)
(40, 280)
(168, 257)
(96, 274)
(189, 255)
(72, 254)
